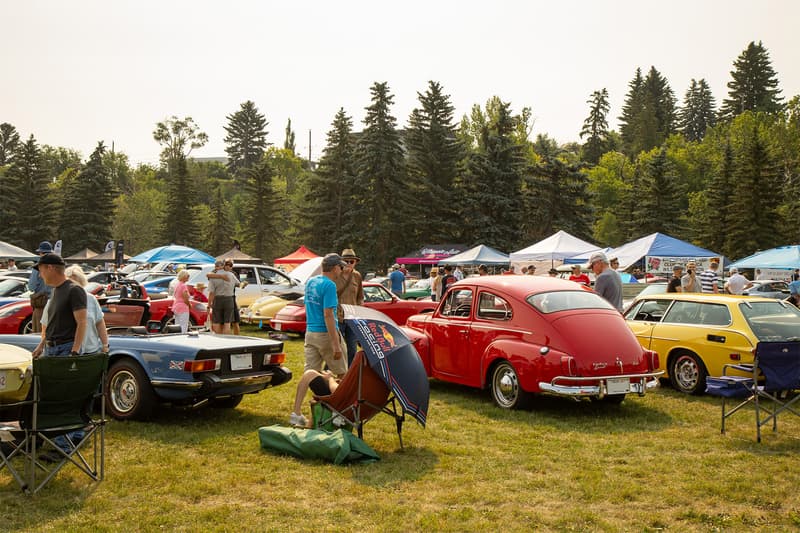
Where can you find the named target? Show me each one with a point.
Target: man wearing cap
(737, 283)
(579, 277)
(552, 272)
(674, 284)
(221, 285)
(398, 280)
(40, 292)
(709, 277)
(608, 282)
(66, 324)
(349, 291)
(323, 343)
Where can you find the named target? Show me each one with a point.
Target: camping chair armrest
(741, 367)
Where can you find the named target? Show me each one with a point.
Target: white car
(258, 280)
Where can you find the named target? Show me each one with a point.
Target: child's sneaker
(298, 420)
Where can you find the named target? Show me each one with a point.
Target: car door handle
(464, 332)
(716, 338)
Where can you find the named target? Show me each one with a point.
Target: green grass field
(653, 463)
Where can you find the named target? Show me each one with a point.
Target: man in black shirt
(674, 284)
(66, 324)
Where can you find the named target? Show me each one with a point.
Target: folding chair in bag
(360, 396)
(60, 407)
(774, 374)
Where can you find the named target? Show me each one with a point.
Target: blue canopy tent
(782, 257)
(172, 254)
(480, 255)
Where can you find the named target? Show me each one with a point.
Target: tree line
(724, 178)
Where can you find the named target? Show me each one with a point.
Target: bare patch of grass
(650, 464)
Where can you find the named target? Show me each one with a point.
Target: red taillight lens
(201, 365)
(568, 367)
(735, 357)
(653, 360)
(274, 358)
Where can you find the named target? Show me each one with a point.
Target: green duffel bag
(337, 447)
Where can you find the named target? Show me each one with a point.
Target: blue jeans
(63, 350)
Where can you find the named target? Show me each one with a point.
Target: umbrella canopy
(555, 247)
(83, 255)
(299, 256)
(172, 254)
(392, 356)
(9, 251)
(480, 255)
(238, 256)
(783, 257)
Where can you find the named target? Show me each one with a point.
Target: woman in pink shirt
(180, 308)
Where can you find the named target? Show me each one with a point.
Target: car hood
(599, 342)
(14, 356)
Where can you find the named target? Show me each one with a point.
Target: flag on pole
(57, 247)
(109, 246)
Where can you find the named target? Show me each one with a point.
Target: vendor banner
(662, 266)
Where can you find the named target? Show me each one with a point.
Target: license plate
(618, 385)
(277, 326)
(3, 382)
(241, 361)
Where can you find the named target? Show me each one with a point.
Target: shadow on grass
(399, 466)
(588, 416)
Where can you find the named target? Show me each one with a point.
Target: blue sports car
(182, 369)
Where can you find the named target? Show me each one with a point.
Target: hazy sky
(79, 71)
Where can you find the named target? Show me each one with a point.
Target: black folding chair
(774, 375)
(65, 391)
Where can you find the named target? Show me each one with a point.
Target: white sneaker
(339, 421)
(298, 420)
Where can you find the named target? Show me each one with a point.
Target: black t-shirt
(64, 300)
(673, 284)
(447, 279)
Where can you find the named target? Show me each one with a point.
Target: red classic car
(292, 318)
(525, 335)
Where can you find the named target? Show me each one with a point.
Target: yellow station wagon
(696, 334)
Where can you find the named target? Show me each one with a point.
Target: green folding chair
(65, 391)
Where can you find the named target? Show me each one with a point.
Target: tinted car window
(714, 315)
(376, 294)
(772, 321)
(493, 307)
(553, 302)
(458, 303)
(648, 310)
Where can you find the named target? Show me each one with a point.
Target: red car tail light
(274, 358)
(652, 360)
(735, 356)
(568, 367)
(202, 365)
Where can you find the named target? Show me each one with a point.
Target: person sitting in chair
(320, 383)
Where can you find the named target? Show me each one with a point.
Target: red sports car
(292, 318)
(525, 335)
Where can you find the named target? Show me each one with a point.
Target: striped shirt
(708, 280)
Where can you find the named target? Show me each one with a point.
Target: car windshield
(553, 302)
(772, 321)
(10, 287)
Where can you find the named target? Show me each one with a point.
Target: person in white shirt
(737, 283)
(458, 274)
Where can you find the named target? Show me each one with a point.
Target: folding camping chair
(64, 392)
(775, 372)
(360, 396)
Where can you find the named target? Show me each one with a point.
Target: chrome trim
(646, 382)
(182, 385)
(258, 379)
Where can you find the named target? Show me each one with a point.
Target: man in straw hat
(350, 291)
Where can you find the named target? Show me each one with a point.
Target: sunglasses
(350, 261)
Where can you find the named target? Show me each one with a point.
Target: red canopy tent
(298, 257)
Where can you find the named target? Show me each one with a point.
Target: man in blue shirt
(40, 291)
(398, 280)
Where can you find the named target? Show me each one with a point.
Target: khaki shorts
(317, 349)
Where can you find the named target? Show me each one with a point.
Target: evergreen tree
(246, 138)
(179, 222)
(433, 155)
(492, 185)
(754, 84)
(718, 200)
(648, 115)
(595, 127)
(27, 198)
(658, 198)
(384, 200)
(288, 141)
(261, 200)
(87, 205)
(755, 198)
(218, 236)
(331, 193)
(9, 142)
(557, 198)
(698, 112)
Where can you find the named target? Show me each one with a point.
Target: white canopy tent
(556, 247)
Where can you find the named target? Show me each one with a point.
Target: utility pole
(309, 149)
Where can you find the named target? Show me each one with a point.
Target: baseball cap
(676, 268)
(332, 260)
(598, 256)
(50, 259)
(219, 263)
(733, 270)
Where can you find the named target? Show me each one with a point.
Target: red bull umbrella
(392, 356)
